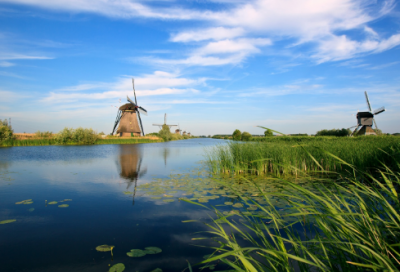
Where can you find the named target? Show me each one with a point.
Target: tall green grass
(37, 142)
(288, 156)
(339, 226)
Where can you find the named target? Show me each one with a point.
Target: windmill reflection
(130, 162)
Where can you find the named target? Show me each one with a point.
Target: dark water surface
(50, 238)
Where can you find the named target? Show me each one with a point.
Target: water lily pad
(29, 201)
(67, 200)
(7, 221)
(228, 203)
(168, 196)
(168, 200)
(119, 267)
(152, 250)
(203, 200)
(136, 253)
(127, 193)
(156, 270)
(104, 248)
(238, 205)
(52, 202)
(63, 206)
(156, 197)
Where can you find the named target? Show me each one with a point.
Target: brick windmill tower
(128, 118)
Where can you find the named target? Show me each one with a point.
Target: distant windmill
(165, 123)
(127, 118)
(178, 130)
(366, 120)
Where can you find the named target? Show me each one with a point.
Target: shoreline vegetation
(309, 224)
(79, 136)
(282, 156)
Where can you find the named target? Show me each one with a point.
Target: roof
(127, 106)
(363, 114)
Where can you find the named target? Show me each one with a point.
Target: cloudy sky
(296, 66)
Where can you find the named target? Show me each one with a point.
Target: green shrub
(79, 136)
(334, 132)
(6, 133)
(43, 134)
(165, 133)
(268, 133)
(237, 135)
(246, 136)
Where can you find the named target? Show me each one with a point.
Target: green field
(289, 155)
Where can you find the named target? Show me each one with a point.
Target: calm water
(97, 179)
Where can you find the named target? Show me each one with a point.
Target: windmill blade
(142, 110)
(140, 120)
(134, 92)
(380, 110)
(119, 115)
(368, 104)
(127, 97)
(376, 125)
(352, 127)
(354, 131)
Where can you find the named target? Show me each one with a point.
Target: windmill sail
(368, 104)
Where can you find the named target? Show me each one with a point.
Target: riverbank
(289, 155)
(51, 141)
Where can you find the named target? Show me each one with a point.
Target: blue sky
(296, 66)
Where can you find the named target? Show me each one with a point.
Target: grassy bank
(348, 226)
(289, 155)
(37, 142)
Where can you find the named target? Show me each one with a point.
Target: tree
(246, 136)
(334, 132)
(268, 133)
(165, 133)
(6, 133)
(237, 135)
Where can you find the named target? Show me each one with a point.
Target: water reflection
(130, 165)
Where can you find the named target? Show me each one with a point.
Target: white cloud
(16, 56)
(156, 84)
(341, 47)
(215, 33)
(6, 64)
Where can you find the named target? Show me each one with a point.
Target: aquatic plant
(6, 132)
(7, 221)
(285, 156)
(119, 267)
(346, 225)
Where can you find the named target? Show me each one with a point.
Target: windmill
(165, 123)
(178, 130)
(365, 120)
(130, 162)
(127, 118)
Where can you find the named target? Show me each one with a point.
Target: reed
(288, 155)
(336, 226)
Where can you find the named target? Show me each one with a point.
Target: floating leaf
(104, 248)
(127, 193)
(63, 206)
(136, 253)
(67, 200)
(119, 267)
(203, 200)
(52, 202)
(7, 221)
(168, 196)
(228, 203)
(156, 197)
(152, 250)
(238, 205)
(31, 209)
(25, 201)
(156, 270)
(168, 200)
